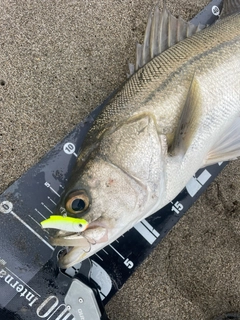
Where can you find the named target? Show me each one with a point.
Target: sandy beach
(58, 61)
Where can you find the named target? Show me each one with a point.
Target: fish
(178, 111)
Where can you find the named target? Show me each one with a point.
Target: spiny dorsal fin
(163, 31)
(230, 7)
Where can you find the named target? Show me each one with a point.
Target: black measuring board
(30, 286)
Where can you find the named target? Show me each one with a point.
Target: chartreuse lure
(65, 223)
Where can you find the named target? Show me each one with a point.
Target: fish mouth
(79, 243)
(96, 232)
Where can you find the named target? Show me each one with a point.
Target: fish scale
(140, 90)
(186, 110)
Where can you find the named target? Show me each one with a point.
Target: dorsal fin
(230, 7)
(163, 31)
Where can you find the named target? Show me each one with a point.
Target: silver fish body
(176, 114)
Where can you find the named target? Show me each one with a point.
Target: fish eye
(77, 202)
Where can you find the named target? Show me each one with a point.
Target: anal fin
(227, 147)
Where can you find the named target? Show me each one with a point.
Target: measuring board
(32, 286)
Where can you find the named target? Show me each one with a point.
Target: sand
(58, 60)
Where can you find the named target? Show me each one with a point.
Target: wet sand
(59, 59)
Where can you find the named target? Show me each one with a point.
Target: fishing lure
(65, 223)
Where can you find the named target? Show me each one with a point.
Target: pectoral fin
(227, 147)
(189, 120)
